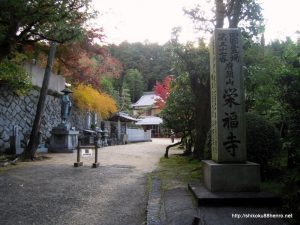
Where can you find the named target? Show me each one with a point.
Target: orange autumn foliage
(87, 98)
(80, 61)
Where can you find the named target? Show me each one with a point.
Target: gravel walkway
(54, 192)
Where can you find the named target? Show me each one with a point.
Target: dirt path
(54, 192)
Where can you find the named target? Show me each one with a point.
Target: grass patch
(149, 179)
(178, 170)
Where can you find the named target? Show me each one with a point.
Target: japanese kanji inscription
(227, 98)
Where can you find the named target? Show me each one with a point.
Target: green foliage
(124, 102)
(14, 76)
(134, 82)
(262, 141)
(25, 21)
(179, 111)
(272, 84)
(151, 60)
(286, 184)
(108, 87)
(272, 74)
(194, 61)
(264, 65)
(289, 79)
(290, 98)
(290, 91)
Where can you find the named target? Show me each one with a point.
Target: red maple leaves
(163, 91)
(85, 61)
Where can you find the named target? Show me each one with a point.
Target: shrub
(13, 75)
(262, 141)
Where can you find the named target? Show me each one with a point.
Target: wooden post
(96, 164)
(78, 163)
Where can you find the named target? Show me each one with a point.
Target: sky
(153, 20)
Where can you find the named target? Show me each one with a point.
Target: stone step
(259, 199)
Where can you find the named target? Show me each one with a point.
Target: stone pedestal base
(95, 165)
(19, 151)
(78, 164)
(231, 177)
(205, 197)
(42, 149)
(63, 140)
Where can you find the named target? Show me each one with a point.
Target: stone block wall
(77, 118)
(20, 110)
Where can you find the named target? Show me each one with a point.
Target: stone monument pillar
(119, 132)
(228, 170)
(94, 120)
(63, 139)
(16, 142)
(87, 120)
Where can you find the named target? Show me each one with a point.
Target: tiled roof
(123, 117)
(148, 99)
(150, 120)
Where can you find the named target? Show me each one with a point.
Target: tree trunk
(235, 14)
(220, 13)
(33, 141)
(202, 119)
(8, 41)
(189, 144)
(5, 49)
(170, 146)
(294, 138)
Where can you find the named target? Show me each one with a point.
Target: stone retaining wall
(20, 110)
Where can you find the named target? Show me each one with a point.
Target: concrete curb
(155, 209)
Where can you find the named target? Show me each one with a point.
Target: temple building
(148, 113)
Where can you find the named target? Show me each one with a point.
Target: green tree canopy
(264, 67)
(134, 82)
(23, 21)
(194, 61)
(179, 111)
(243, 13)
(272, 75)
(152, 60)
(107, 85)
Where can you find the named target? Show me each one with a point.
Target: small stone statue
(66, 105)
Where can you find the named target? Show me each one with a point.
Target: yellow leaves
(87, 98)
